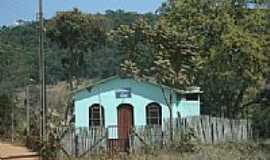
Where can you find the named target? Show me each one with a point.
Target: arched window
(153, 114)
(96, 116)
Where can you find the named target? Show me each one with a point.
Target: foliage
(231, 60)
(12, 71)
(19, 58)
(101, 57)
(232, 63)
(83, 37)
(186, 143)
(5, 122)
(76, 33)
(163, 59)
(221, 46)
(50, 148)
(21, 44)
(261, 114)
(155, 51)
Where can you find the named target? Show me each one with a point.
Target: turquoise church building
(126, 102)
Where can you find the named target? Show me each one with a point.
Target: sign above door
(123, 93)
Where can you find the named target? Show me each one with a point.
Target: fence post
(107, 138)
(76, 146)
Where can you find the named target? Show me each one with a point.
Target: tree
(161, 52)
(76, 33)
(232, 58)
(12, 76)
(5, 116)
(95, 62)
(12, 71)
(261, 113)
(168, 56)
(217, 45)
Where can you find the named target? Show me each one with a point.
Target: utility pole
(42, 74)
(12, 123)
(27, 111)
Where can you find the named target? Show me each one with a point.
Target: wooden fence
(78, 142)
(206, 130)
(213, 130)
(200, 129)
(143, 136)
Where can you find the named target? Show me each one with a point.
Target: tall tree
(77, 33)
(205, 43)
(159, 51)
(231, 60)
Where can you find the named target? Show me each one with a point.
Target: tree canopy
(221, 46)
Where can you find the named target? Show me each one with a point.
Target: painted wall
(142, 93)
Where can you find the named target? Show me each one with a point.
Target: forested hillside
(19, 55)
(19, 46)
(220, 46)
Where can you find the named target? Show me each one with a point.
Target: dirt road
(13, 152)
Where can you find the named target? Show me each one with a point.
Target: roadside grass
(202, 152)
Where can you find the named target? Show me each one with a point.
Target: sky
(12, 10)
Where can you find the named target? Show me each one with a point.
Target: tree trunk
(171, 124)
(70, 82)
(169, 102)
(171, 116)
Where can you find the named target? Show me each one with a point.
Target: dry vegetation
(202, 152)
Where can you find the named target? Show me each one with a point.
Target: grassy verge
(201, 152)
